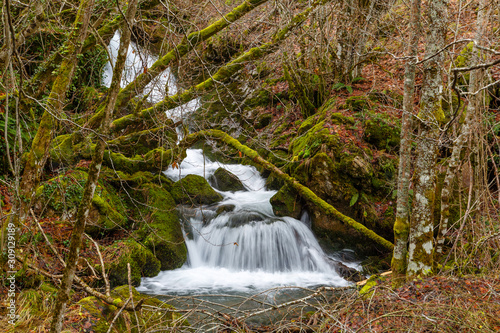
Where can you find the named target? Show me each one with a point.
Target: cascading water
(245, 248)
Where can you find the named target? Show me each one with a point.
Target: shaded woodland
(380, 119)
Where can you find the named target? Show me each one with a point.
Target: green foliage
(339, 85)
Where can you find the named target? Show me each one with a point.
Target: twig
(47, 239)
(117, 315)
(104, 275)
(131, 296)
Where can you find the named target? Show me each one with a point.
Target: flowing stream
(245, 249)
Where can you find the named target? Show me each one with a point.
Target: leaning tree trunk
(93, 175)
(420, 248)
(225, 72)
(35, 161)
(402, 225)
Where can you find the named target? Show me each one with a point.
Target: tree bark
(420, 249)
(93, 176)
(38, 154)
(459, 143)
(402, 224)
(304, 191)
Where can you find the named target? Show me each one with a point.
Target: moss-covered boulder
(286, 202)
(161, 230)
(194, 189)
(142, 262)
(381, 133)
(224, 180)
(100, 315)
(316, 138)
(345, 186)
(61, 195)
(357, 103)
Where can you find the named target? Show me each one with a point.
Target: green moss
(264, 120)
(142, 263)
(307, 124)
(224, 180)
(381, 134)
(368, 289)
(286, 202)
(101, 314)
(194, 189)
(161, 232)
(62, 195)
(309, 143)
(357, 103)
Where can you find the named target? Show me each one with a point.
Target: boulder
(161, 231)
(224, 180)
(61, 195)
(194, 189)
(142, 262)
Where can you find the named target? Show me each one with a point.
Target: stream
(245, 250)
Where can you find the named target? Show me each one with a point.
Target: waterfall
(245, 248)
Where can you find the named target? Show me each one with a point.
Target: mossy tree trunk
(38, 154)
(224, 73)
(93, 175)
(421, 240)
(302, 190)
(36, 85)
(476, 78)
(402, 224)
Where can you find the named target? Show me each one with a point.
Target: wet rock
(194, 189)
(348, 273)
(224, 180)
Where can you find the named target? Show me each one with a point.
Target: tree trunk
(93, 176)
(465, 132)
(402, 225)
(38, 154)
(431, 114)
(223, 73)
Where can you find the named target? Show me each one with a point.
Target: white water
(248, 249)
(137, 61)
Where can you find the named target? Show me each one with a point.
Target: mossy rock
(224, 209)
(117, 178)
(142, 262)
(101, 314)
(331, 182)
(357, 103)
(287, 203)
(273, 182)
(194, 189)
(358, 167)
(162, 232)
(381, 134)
(309, 143)
(224, 180)
(61, 195)
(307, 124)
